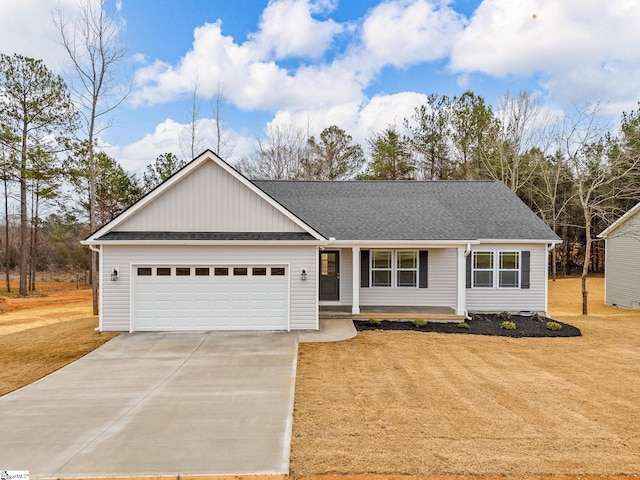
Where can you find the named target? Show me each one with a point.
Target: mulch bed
(481, 324)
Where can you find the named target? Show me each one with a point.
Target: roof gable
(622, 221)
(206, 196)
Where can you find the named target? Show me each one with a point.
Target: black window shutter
(469, 269)
(526, 269)
(364, 268)
(423, 269)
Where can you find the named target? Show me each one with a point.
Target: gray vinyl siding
(209, 200)
(440, 293)
(622, 265)
(115, 302)
(513, 299)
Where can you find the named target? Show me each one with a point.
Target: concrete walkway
(331, 330)
(158, 404)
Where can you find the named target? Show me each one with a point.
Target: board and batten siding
(209, 200)
(116, 296)
(622, 265)
(441, 291)
(513, 299)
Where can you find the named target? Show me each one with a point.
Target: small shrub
(555, 326)
(463, 325)
(420, 322)
(506, 316)
(507, 325)
(375, 321)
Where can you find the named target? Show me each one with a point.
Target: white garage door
(193, 297)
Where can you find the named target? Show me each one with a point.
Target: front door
(330, 275)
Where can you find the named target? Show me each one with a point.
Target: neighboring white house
(211, 250)
(622, 261)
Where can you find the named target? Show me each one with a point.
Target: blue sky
(359, 64)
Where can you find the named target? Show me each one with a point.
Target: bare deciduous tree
(514, 153)
(278, 157)
(223, 143)
(600, 170)
(94, 47)
(190, 138)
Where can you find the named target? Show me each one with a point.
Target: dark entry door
(330, 275)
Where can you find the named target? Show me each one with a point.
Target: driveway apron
(158, 404)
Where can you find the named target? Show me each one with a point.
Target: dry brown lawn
(44, 332)
(411, 403)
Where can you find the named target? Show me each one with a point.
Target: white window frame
(373, 269)
(518, 270)
(496, 269)
(394, 268)
(399, 269)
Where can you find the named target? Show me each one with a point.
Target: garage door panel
(211, 302)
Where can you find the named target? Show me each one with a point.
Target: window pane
(328, 264)
(407, 278)
(163, 271)
(277, 271)
(482, 279)
(381, 260)
(239, 271)
(202, 272)
(144, 272)
(183, 271)
(483, 259)
(381, 278)
(509, 260)
(221, 271)
(509, 279)
(259, 271)
(407, 259)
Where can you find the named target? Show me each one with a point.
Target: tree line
(575, 171)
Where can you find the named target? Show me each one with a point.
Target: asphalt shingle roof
(409, 210)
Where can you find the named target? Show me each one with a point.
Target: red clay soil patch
(46, 294)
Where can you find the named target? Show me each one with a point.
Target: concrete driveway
(158, 404)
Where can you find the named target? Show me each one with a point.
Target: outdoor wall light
(114, 274)
(303, 274)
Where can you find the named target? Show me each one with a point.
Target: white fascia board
(169, 243)
(618, 223)
(511, 240)
(397, 243)
(207, 155)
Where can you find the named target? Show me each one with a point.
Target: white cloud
(360, 120)
(383, 111)
(288, 30)
(249, 82)
(27, 28)
(580, 47)
(167, 138)
(402, 32)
